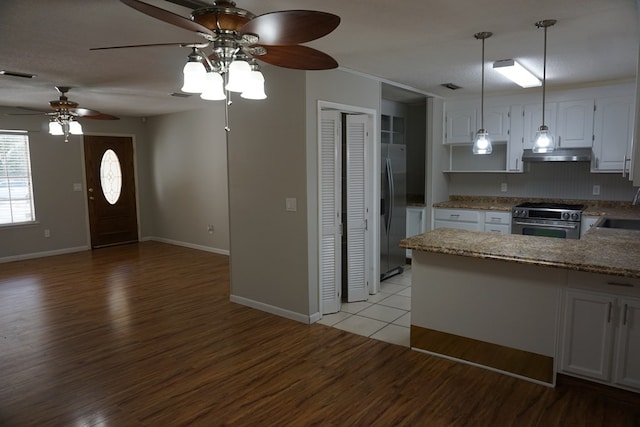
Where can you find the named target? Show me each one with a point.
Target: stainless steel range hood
(559, 155)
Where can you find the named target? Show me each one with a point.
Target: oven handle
(571, 227)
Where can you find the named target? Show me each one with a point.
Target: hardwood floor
(145, 335)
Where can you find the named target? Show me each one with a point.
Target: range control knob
(575, 216)
(565, 215)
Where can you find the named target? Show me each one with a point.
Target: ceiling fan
(236, 33)
(63, 118)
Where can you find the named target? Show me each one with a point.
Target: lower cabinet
(497, 222)
(464, 219)
(415, 223)
(601, 337)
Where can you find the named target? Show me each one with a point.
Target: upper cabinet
(597, 117)
(613, 134)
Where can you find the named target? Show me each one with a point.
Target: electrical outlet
(47, 233)
(291, 204)
(503, 187)
(596, 190)
(210, 229)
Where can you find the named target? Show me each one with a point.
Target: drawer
(604, 283)
(463, 215)
(497, 217)
(497, 228)
(461, 225)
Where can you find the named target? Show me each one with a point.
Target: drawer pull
(626, 285)
(624, 315)
(609, 313)
(454, 216)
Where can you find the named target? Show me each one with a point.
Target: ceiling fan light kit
(544, 141)
(515, 72)
(236, 38)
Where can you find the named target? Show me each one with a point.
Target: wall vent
(180, 94)
(17, 74)
(451, 86)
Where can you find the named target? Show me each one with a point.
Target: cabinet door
(460, 125)
(627, 367)
(587, 334)
(613, 131)
(516, 140)
(533, 120)
(575, 124)
(496, 122)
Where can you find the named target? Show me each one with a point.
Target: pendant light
(482, 142)
(544, 141)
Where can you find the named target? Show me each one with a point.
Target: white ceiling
(419, 44)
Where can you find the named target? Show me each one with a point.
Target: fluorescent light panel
(516, 73)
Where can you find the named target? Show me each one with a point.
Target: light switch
(291, 204)
(77, 186)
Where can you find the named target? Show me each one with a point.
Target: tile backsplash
(562, 180)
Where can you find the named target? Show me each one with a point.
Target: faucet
(636, 198)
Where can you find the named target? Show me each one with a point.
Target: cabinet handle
(624, 315)
(625, 159)
(517, 164)
(609, 313)
(454, 216)
(559, 141)
(495, 219)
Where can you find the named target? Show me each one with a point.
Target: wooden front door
(111, 190)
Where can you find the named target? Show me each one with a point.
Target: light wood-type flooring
(145, 335)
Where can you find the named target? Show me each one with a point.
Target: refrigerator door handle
(390, 193)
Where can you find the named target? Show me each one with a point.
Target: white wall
(188, 178)
(56, 166)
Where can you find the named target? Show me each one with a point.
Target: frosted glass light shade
(213, 89)
(543, 141)
(194, 77)
(515, 72)
(482, 143)
(75, 128)
(239, 75)
(55, 128)
(255, 87)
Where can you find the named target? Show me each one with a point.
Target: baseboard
(599, 389)
(315, 317)
(298, 317)
(187, 245)
(43, 254)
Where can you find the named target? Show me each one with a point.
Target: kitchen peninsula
(513, 303)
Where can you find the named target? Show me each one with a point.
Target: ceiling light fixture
(544, 141)
(64, 124)
(515, 72)
(482, 142)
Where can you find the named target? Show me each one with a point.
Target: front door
(111, 190)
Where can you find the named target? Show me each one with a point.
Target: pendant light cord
(482, 91)
(544, 73)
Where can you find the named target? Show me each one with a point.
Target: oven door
(558, 229)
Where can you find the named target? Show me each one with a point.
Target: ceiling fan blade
(291, 26)
(298, 57)
(149, 45)
(92, 114)
(169, 17)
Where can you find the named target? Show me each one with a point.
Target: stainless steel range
(547, 219)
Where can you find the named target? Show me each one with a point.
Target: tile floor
(385, 316)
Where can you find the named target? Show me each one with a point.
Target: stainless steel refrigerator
(393, 206)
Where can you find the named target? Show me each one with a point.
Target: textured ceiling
(419, 44)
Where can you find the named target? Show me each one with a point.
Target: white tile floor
(385, 316)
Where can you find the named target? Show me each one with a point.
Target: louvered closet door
(357, 255)
(329, 207)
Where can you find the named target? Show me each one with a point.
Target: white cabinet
(464, 219)
(600, 336)
(627, 363)
(588, 334)
(575, 124)
(460, 125)
(516, 139)
(587, 222)
(496, 122)
(497, 222)
(415, 223)
(613, 133)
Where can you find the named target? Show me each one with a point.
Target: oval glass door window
(110, 176)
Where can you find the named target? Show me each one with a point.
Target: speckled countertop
(592, 207)
(603, 251)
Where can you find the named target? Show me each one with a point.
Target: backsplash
(555, 180)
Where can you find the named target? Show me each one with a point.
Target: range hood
(559, 155)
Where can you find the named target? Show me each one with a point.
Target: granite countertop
(592, 207)
(603, 251)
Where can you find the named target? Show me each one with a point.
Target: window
(16, 190)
